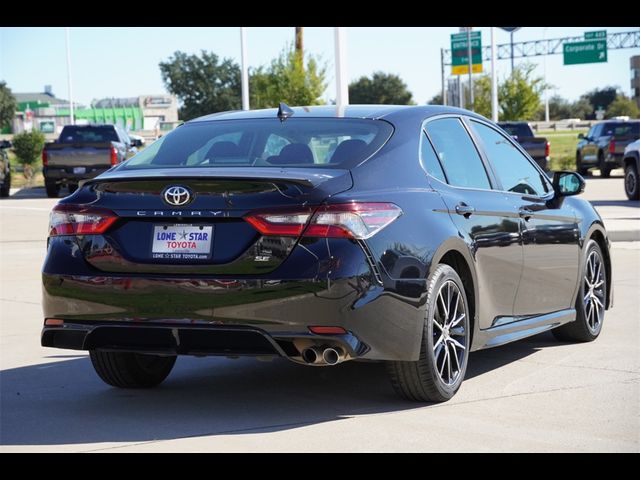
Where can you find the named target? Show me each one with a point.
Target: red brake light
(348, 220)
(45, 158)
(79, 220)
(612, 146)
(324, 330)
(547, 149)
(114, 156)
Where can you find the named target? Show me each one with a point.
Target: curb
(624, 235)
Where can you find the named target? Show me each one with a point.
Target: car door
(590, 147)
(485, 218)
(549, 230)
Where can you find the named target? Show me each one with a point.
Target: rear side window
(520, 130)
(459, 157)
(88, 135)
(304, 142)
(515, 171)
(622, 129)
(429, 160)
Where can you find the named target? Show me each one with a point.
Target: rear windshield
(307, 142)
(517, 130)
(88, 134)
(622, 129)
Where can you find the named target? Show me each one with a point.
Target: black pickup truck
(537, 147)
(603, 147)
(82, 152)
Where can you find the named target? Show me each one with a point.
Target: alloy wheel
(594, 292)
(449, 334)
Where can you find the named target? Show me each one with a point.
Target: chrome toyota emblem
(177, 196)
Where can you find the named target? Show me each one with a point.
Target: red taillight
(45, 158)
(612, 146)
(324, 330)
(79, 220)
(547, 149)
(53, 322)
(114, 156)
(348, 220)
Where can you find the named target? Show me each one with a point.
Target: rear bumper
(614, 158)
(543, 162)
(66, 173)
(207, 315)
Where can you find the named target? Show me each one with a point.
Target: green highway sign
(597, 35)
(460, 53)
(589, 51)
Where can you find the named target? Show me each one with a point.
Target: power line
(552, 46)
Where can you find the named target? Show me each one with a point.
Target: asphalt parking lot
(534, 395)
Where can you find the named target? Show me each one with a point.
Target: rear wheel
(591, 301)
(579, 168)
(52, 188)
(438, 373)
(605, 170)
(631, 184)
(5, 190)
(131, 370)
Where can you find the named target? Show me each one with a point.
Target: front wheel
(131, 370)
(438, 373)
(605, 170)
(591, 301)
(631, 184)
(579, 168)
(52, 188)
(5, 190)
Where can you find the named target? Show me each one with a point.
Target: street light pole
(444, 91)
(245, 68)
(546, 88)
(469, 53)
(342, 87)
(71, 116)
(494, 78)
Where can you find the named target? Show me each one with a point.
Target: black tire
(581, 330)
(631, 182)
(605, 170)
(72, 187)
(420, 380)
(131, 370)
(5, 190)
(579, 168)
(52, 188)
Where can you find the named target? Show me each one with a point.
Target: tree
(581, 109)
(287, 79)
(203, 83)
(520, 94)
(481, 95)
(7, 106)
(623, 106)
(436, 100)
(28, 147)
(381, 88)
(601, 97)
(559, 108)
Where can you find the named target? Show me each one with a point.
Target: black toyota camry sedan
(409, 235)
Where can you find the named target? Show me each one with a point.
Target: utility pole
(245, 68)
(299, 42)
(469, 52)
(494, 78)
(71, 116)
(546, 88)
(444, 91)
(342, 86)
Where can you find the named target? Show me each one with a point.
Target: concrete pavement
(534, 395)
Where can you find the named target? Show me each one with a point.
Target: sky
(123, 61)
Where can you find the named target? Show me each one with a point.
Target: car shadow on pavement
(64, 402)
(27, 193)
(615, 203)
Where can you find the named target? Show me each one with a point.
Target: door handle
(525, 213)
(464, 210)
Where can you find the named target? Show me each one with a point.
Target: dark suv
(603, 147)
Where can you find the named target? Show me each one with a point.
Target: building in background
(635, 79)
(145, 113)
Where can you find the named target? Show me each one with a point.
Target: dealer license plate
(182, 242)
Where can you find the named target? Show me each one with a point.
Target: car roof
(350, 111)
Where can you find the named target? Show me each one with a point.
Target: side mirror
(567, 183)
(581, 136)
